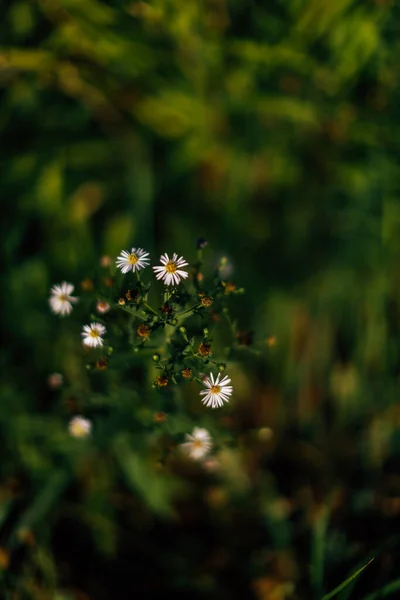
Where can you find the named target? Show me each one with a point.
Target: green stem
(130, 312)
(188, 310)
(150, 309)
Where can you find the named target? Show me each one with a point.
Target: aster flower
(198, 444)
(79, 427)
(92, 333)
(61, 300)
(217, 391)
(133, 261)
(170, 271)
(102, 307)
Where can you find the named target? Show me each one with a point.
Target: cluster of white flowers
(171, 272)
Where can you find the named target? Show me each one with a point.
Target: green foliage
(271, 129)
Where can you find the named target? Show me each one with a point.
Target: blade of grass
(318, 551)
(345, 583)
(385, 591)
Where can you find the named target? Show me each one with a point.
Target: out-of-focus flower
(55, 381)
(87, 285)
(198, 444)
(61, 300)
(170, 272)
(229, 287)
(225, 267)
(106, 261)
(217, 391)
(101, 364)
(92, 333)
(160, 417)
(102, 307)
(135, 260)
(201, 243)
(79, 427)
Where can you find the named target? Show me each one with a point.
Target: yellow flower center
(171, 267)
(78, 430)
(63, 297)
(198, 443)
(94, 333)
(132, 259)
(215, 389)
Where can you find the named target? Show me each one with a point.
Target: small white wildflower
(198, 444)
(170, 271)
(92, 333)
(102, 307)
(217, 392)
(79, 427)
(133, 261)
(61, 300)
(55, 381)
(225, 267)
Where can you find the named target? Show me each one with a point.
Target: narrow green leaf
(385, 591)
(347, 581)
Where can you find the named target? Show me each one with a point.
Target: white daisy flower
(102, 307)
(133, 261)
(170, 271)
(79, 427)
(61, 300)
(217, 392)
(197, 445)
(92, 333)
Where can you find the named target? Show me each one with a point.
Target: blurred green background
(272, 129)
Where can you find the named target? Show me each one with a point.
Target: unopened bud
(156, 357)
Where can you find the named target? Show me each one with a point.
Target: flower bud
(206, 301)
(160, 417)
(162, 381)
(156, 357)
(187, 373)
(55, 381)
(143, 331)
(87, 285)
(105, 261)
(121, 302)
(182, 329)
(102, 307)
(101, 364)
(204, 349)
